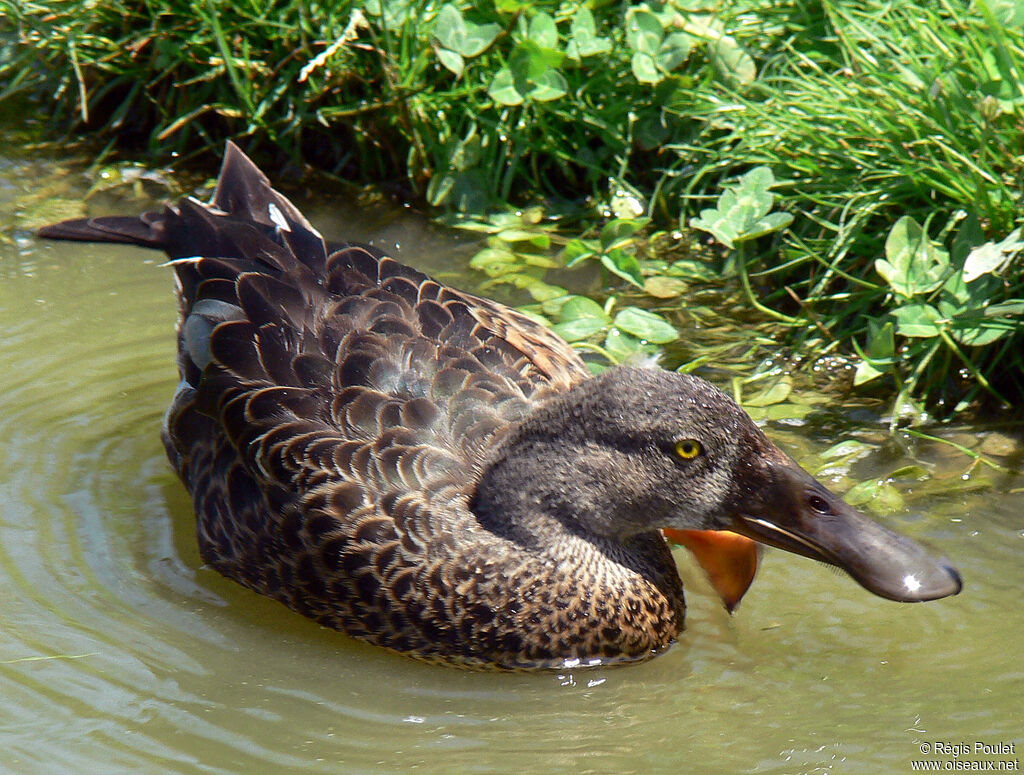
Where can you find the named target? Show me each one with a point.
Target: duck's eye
(688, 449)
(819, 504)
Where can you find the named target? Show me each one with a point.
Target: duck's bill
(796, 513)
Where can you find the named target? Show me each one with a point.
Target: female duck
(435, 473)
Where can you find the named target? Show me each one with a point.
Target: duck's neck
(598, 598)
(547, 481)
(565, 503)
(526, 495)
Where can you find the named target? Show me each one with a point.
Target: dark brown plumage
(437, 474)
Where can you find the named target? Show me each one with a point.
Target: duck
(440, 475)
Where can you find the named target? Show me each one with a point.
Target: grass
(856, 166)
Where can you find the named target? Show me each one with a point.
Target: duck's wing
(545, 351)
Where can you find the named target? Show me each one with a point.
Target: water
(120, 653)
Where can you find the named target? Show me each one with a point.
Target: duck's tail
(247, 255)
(129, 230)
(247, 218)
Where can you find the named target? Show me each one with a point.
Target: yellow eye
(688, 449)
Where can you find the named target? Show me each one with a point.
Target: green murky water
(120, 653)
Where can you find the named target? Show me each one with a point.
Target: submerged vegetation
(852, 170)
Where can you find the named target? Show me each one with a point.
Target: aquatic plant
(616, 128)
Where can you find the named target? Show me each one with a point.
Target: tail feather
(246, 219)
(146, 230)
(245, 192)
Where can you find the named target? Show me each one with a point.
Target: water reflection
(119, 652)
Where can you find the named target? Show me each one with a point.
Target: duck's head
(636, 450)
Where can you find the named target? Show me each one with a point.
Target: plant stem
(745, 280)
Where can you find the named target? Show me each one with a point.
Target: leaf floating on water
(847, 449)
(661, 287)
(580, 307)
(621, 346)
(781, 412)
(578, 329)
(692, 270)
(916, 472)
(775, 393)
(646, 325)
(537, 238)
(880, 497)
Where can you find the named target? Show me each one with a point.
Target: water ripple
(119, 652)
